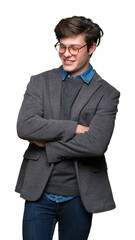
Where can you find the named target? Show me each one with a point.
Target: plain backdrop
(26, 48)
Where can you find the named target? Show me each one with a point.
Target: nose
(67, 53)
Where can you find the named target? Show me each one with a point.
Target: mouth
(68, 62)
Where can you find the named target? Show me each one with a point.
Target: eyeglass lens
(61, 49)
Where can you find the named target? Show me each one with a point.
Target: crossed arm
(79, 129)
(67, 138)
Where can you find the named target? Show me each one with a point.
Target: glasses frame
(78, 49)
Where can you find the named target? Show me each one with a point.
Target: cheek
(60, 55)
(82, 60)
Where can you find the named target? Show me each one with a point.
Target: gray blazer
(95, 106)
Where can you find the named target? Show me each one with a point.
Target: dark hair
(77, 25)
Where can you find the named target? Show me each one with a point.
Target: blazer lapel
(55, 90)
(84, 95)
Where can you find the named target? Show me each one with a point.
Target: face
(79, 63)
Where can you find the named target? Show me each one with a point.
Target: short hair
(77, 25)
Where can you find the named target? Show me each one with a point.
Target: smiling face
(79, 63)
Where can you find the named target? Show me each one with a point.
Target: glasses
(62, 49)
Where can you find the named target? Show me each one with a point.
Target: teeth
(68, 61)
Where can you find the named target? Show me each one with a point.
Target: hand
(81, 129)
(39, 144)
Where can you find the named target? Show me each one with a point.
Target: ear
(92, 48)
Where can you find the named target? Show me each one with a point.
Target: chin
(68, 68)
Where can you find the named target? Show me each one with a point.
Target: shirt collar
(86, 76)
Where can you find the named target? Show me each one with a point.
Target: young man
(68, 117)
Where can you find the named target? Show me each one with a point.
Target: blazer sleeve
(91, 143)
(31, 124)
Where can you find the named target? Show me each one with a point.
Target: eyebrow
(72, 45)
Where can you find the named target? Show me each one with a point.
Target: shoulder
(48, 74)
(41, 80)
(106, 86)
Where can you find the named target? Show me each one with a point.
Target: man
(68, 117)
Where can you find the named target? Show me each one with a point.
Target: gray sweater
(63, 179)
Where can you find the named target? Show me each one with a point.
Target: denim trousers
(40, 218)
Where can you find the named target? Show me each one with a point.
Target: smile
(68, 62)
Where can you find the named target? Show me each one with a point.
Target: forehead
(73, 40)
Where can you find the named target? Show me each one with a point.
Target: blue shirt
(56, 198)
(86, 77)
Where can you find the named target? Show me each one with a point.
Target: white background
(26, 48)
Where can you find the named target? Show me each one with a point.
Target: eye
(74, 48)
(62, 46)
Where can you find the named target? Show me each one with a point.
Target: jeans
(40, 218)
